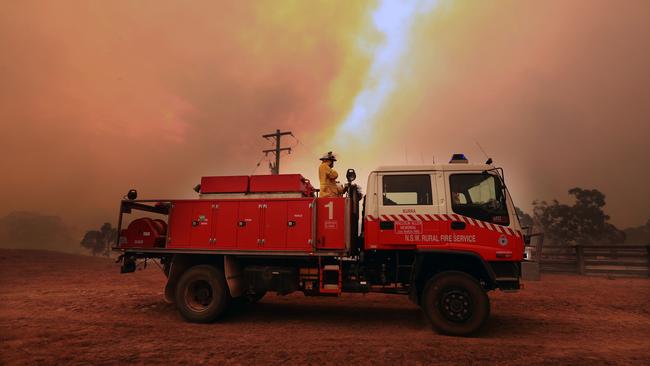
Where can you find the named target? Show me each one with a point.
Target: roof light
(458, 159)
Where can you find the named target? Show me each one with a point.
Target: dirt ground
(64, 309)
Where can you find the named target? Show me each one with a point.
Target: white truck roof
(431, 167)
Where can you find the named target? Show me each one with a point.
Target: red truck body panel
(225, 184)
(274, 227)
(180, 225)
(299, 225)
(248, 225)
(491, 241)
(251, 224)
(331, 223)
(257, 184)
(201, 227)
(281, 183)
(225, 218)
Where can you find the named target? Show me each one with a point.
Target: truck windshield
(479, 196)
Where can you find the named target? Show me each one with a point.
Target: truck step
(330, 279)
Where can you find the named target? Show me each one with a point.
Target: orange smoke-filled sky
(100, 97)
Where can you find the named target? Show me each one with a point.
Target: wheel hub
(456, 305)
(199, 295)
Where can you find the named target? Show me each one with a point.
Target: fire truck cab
(443, 234)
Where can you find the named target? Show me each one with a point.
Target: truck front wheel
(455, 303)
(202, 294)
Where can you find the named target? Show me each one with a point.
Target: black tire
(202, 294)
(455, 303)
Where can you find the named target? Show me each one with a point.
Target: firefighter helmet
(329, 156)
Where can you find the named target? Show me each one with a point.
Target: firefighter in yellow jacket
(329, 187)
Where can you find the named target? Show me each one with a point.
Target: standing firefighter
(328, 176)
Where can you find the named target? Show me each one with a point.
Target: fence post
(647, 248)
(539, 248)
(580, 259)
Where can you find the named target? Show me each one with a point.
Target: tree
(525, 219)
(100, 241)
(639, 234)
(583, 222)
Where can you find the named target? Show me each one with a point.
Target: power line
(258, 164)
(275, 168)
(298, 142)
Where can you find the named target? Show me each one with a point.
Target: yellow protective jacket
(327, 177)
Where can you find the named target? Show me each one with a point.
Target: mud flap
(177, 266)
(234, 276)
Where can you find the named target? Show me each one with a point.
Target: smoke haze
(99, 97)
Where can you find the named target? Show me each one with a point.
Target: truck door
(201, 231)
(180, 225)
(479, 215)
(299, 225)
(408, 209)
(275, 225)
(332, 226)
(225, 217)
(248, 225)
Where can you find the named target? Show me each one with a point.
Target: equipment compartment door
(201, 231)
(224, 225)
(275, 225)
(299, 225)
(331, 223)
(248, 225)
(180, 224)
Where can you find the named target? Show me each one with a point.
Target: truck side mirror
(351, 175)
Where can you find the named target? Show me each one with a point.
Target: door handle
(458, 225)
(195, 223)
(241, 224)
(291, 223)
(386, 225)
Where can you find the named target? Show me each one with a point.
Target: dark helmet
(328, 156)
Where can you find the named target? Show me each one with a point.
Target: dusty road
(64, 309)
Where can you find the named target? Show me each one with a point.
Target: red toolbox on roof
(227, 184)
(281, 183)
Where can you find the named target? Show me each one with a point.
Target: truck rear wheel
(455, 303)
(202, 294)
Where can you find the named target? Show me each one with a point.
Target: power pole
(275, 168)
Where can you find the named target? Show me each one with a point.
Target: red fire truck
(443, 234)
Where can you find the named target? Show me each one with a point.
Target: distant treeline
(583, 222)
(31, 230)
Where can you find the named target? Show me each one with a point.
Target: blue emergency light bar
(458, 159)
